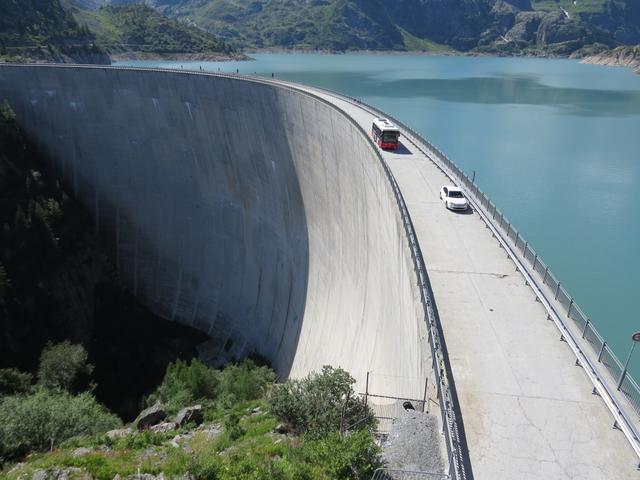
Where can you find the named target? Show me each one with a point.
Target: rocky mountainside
(492, 26)
(43, 30)
(628, 56)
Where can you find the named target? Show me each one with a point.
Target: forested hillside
(44, 30)
(493, 26)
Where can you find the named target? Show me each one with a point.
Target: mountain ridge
(547, 27)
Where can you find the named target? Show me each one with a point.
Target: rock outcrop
(618, 57)
(190, 414)
(150, 416)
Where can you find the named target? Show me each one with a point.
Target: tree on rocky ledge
(65, 366)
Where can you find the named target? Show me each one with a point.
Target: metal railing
(584, 339)
(459, 466)
(393, 474)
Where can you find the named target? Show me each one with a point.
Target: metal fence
(391, 474)
(459, 466)
(581, 330)
(386, 409)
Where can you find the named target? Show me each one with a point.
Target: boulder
(150, 416)
(283, 428)
(119, 433)
(190, 414)
(175, 442)
(212, 431)
(60, 474)
(163, 427)
(81, 452)
(145, 476)
(40, 475)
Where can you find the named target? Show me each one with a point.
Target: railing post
(557, 290)
(451, 466)
(546, 272)
(569, 310)
(586, 325)
(535, 259)
(366, 390)
(604, 344)
(626, 364)
(425, 408)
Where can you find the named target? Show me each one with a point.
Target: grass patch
(581, 6)
(100, 465)
(416, 44)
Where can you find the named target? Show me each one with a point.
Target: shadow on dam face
(255, 213)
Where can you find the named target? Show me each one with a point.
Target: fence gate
(390, 474)
(386, 407)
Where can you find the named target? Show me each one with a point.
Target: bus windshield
(389, 137)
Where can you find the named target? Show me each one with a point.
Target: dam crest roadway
(261, 212)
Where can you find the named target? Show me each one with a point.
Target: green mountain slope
(334, 25)
(141, 29)
(494, 26)
(44, 30)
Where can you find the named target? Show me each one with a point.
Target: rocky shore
(628, 56)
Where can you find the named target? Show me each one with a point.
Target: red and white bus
(385, 133)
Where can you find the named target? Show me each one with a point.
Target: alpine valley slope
(513, 27)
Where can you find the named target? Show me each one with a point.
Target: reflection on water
(508, 89)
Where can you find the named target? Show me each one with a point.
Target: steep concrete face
(255, 213)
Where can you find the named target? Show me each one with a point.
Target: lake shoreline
(628, 57)
(179, 57)
(605, 58)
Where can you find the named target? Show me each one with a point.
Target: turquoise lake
(554, 143)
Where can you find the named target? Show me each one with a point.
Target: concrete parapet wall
(256, 213)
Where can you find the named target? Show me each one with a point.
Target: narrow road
(527, 409)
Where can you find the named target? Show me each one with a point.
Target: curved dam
(258, 214)
(261, 213)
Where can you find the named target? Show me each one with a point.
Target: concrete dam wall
(256, 213)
